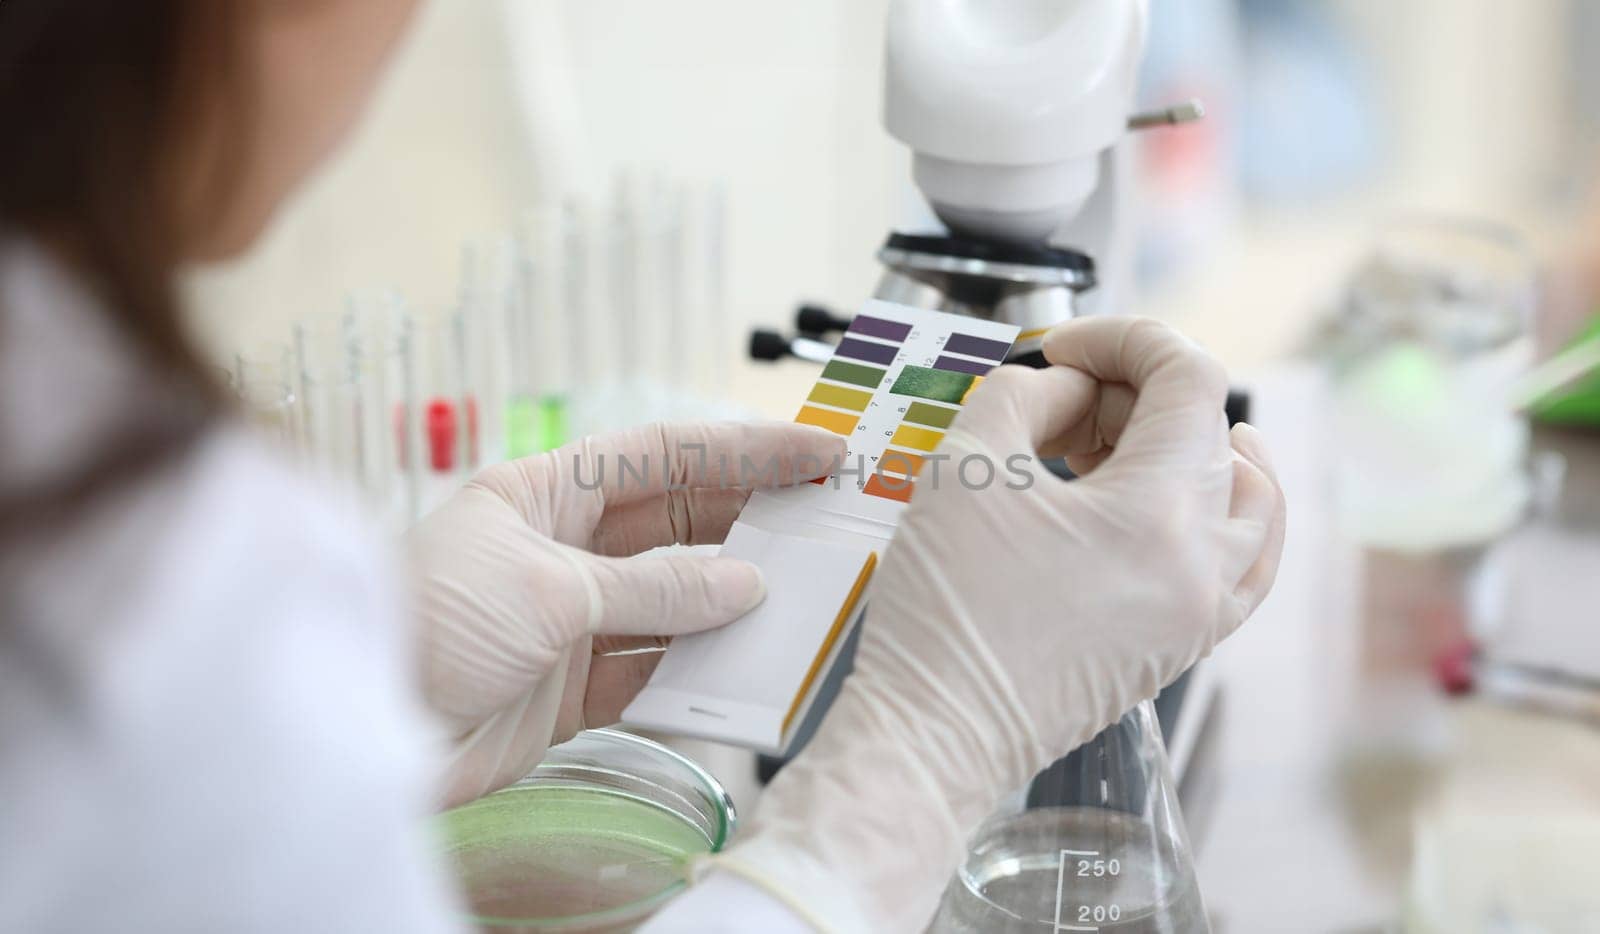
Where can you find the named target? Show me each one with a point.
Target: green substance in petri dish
(937, 385)
(546, 852)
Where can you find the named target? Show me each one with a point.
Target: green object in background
(1578, 403)
(552, 422)
(535, 425)
(522, 427)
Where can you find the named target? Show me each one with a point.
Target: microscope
(1018, 115)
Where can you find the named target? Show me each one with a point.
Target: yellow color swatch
(917, 439)
(839, 423)
(840, 397)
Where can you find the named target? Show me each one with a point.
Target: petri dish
(594, 840)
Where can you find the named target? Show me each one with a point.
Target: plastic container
(595, 840)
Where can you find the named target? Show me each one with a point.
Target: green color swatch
(938, 385)
(853, 373)
(934, 416)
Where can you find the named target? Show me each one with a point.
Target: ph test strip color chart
(894, 385)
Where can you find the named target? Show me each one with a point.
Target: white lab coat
(207, 715)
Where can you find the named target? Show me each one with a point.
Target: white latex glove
(1008, 627)
(523, 587)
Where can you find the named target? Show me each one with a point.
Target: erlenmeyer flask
(1094, 843)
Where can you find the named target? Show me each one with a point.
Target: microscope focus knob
(768, 345)
(816, 319)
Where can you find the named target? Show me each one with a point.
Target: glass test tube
(624, 291)
(593, 317)
(690, 283)
(654, 329)
(263, 380)
(486, 297)
(711, 268)
(672, 251)
(444, 424)
(551, 322)
(676, 287)
(330, 401)
(521, 404)
(381, 344)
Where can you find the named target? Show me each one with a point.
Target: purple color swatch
(863, 350)
(977, 347)
(878, 327)
(957, 365)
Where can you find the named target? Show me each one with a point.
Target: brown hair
(99, 102)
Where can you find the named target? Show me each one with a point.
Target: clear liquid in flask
(1071, 869)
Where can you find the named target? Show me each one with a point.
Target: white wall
(1478, 95)
(438, 157)
(778, 99)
